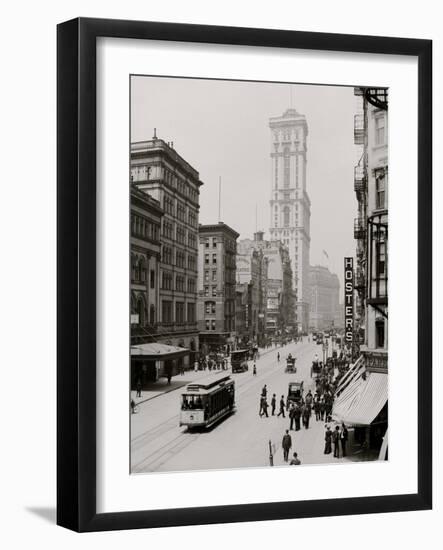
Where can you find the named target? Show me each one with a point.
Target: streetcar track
(185, 438)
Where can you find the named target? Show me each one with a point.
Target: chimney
(155, 134)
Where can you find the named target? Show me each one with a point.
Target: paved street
(159, 444)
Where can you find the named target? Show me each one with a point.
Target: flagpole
(219, 198)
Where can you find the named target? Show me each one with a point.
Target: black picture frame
(76, 280)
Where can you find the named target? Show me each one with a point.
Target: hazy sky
(221, 129)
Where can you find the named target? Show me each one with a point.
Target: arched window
(286, 216)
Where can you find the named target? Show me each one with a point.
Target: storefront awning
(362, 400)
(157, 351)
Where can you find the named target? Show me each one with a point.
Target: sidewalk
(161, 386)
(155, 389)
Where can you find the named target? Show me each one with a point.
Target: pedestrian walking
(336, 441)
(316, 406)
(264, 391)
(306, 413)
(262, 399)
(309, 398)
(291, 413)
(286, 445)
(139, 388)
(278, 357)
(265, 407)
(281, 412)
(295, 461)
(343, 438)
(328, 441)
(297, 416)
(169, 376)
(273, 404)
(254, 370)
(322, 409)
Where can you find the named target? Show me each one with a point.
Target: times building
(290, 204)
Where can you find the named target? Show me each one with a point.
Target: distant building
(249, 278)
(290, 204)
(158, 170)
(278, 307)
(216, 286)
(324, 301)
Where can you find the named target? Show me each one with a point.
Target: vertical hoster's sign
(349, 299)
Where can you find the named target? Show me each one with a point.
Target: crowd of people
(315, 404)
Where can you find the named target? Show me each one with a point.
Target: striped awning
(362, 400)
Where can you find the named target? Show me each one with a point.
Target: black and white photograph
(259, 274)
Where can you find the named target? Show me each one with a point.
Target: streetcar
(239, 360)
(206, 401)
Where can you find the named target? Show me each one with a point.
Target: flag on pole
(326, 254)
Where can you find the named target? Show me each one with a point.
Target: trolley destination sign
(349, 299)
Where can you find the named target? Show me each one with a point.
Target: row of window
(181, 283)
(182, 187)
(142, 227)
(182, 259)
(208, 258)
(182, 314)
(181, 212)
(179, 234)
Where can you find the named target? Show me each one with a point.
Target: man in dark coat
(286, 445)
(336, 441)
(265, 407)
(297, 415)
(292, 416)
(262, 400)
(343, 438)
(282, 407)
(273, 404)
(264, 391)
(306, 413)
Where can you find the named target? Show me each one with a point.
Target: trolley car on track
(206, 401)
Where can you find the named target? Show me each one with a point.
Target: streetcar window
(193, 402)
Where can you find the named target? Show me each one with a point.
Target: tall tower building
(290, 204)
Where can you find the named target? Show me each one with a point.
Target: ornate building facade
(158, 170)
(251, 279)
(146, 216)
(290, 204)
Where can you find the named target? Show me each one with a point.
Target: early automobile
(295, 392)
(239, 360)
(290, 364)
